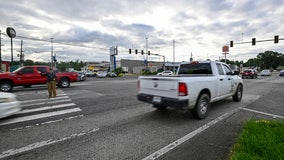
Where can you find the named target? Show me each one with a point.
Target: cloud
(198, 27)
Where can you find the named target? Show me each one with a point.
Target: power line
(61, 43)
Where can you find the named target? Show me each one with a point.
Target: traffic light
(253, 41)
(136, 51)
(149, 53)
(276, 39)
(54, 58)
(231, 43)
(142, 52)
(129, 51)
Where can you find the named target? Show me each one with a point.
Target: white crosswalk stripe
(38, 108)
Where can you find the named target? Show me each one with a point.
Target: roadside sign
(225, 49)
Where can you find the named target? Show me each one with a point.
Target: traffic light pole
(164, 67)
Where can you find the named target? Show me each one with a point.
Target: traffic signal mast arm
(253, 42)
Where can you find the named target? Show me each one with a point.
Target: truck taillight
(182, 89)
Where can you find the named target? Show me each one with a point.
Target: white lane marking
(44, 123)
(24, 93)
(46, 108)
(50, 102)
(36, 145)
(185, 138)
(39, 100)
(38, 116)
(264, 113)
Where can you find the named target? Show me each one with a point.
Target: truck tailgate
(161, 86)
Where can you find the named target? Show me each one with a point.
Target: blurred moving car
(265, 72)
(249, 73)
(101, 74)
(81, 76)
(111, 74)
(281, 73)
(9, 105)
(165, 73)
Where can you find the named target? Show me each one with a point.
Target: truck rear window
(199, 68)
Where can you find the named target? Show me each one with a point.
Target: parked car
(281, 73)
(89, 74)
(265, 73)
(249, 73)
(9, 105)
(165, 73)
(111, 74)
(81, 76)
(101, 74)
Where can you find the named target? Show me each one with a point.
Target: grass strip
(260, 140)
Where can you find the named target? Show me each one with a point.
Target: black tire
(6, 86)
(237, 97)
(202, 107)
(159, 107)
(64, 83)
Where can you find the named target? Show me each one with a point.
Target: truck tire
(237, 97)
(64, 83)
(6, 86)
(159, 107)
(202, 107)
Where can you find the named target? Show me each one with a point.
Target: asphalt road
(102, 119)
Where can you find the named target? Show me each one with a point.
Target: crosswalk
(38, 109)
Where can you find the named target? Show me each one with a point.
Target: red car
(33, 75)
(249, 73)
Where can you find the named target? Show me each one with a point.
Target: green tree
(270, 60)
(28, 62)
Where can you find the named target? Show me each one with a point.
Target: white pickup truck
(195, 86)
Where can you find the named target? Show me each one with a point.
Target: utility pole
(147, 53)
(174, 68)
(51, 53)
(0, 52)
(21, 54)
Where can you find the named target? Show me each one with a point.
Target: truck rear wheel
(6, 86)
(64, 83)
(202, 107)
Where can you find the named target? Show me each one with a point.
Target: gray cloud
(197, 26)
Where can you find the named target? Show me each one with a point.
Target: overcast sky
(200, 27)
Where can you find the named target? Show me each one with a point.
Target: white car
(165, 73)
(9, 105)
(265, 73)
(101, 74)
(89, 74)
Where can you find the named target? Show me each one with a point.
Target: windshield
(17, 70)
(199, 68)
